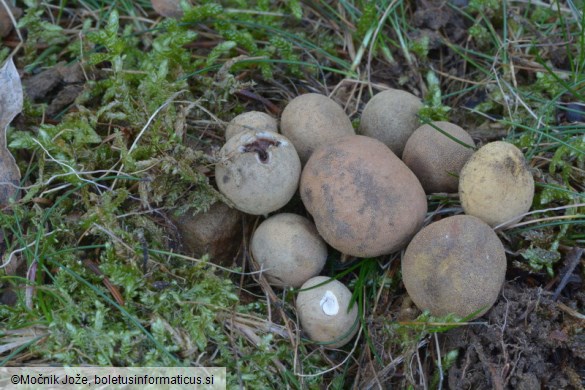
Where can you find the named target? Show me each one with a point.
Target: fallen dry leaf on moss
(10, 106)
(168, 8)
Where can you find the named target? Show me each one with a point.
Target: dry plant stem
(212, 264)
(359, 86)
(270, 295)
(503, 225)
(422, 323)
(273, 108)
(573, 258)
(376, 377)
(251, 321)
(14, 338)
(111, 288)
(422, 380)
(570, 311)
(545, 161)
(8, 258)
(373, 41)
(505, 372)
(465, 81)
(390, 368)
(235, 353)
(518, 99)
(114, 237)
(347, 37)
(73, 171)
(541, 4)
(249, 333)
(14, 24)
(439, 365)
(335, 367)
(529, 308)
(31, 275)
(490, 369)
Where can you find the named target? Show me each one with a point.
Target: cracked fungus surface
(259, 171)
(364, 200)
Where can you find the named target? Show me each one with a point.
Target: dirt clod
(58, 86)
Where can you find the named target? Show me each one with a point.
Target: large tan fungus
(456, 265)
(365, 202)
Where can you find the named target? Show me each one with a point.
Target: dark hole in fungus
(260, 146)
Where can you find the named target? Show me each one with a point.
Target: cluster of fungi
(366, 196)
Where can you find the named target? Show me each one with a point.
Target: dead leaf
(168, 8)
(10, 96)
(10, 106)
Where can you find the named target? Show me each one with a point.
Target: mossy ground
(124, 115)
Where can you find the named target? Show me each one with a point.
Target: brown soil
(530, 342)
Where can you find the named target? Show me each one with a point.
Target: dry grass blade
(12, 339)
(573, 258)
(250, 334)
(106, 281)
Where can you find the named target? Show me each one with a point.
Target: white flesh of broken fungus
(329, 304)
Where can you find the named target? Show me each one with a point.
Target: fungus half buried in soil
(258, 172)
(216, 232)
